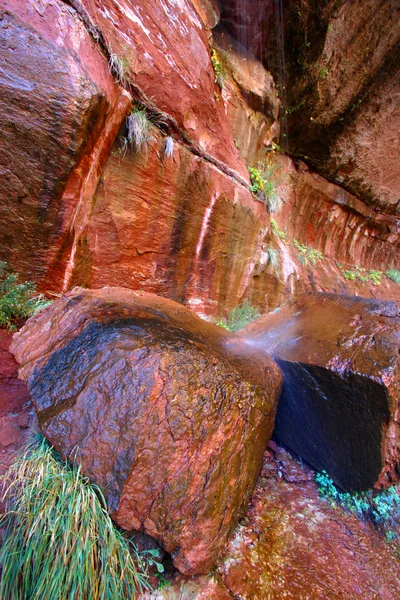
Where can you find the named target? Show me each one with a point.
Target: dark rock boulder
(340, 398)
(167, 421)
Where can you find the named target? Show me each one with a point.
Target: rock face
(76, 209)
(343, 86)
(60, 111)
(168, 422)
(339, 407)
(293, 545)
(14, 396)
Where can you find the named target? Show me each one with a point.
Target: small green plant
(219, 68)
(382, 508)
(276, 230)
(239, 317)
(323, 72)
(264, 186)
(139, 129)
(60, 542)
(393, 274)
(307, 254)
(18, 301)
(362, 275)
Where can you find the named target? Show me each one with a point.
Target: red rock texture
(167, 421)
(340, 399)
(293, 544)
(60, 111)
(185, 227)
(16, 418)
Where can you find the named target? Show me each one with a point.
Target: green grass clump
(382, 508)
(60, 543)
(18, 301)
(307, 254)
(393, 274)
(239, 317)
(139, 128)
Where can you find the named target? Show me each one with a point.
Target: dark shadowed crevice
(334, 422)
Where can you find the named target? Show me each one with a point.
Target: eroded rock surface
(294, 545)
(168, 422)
(339, 407)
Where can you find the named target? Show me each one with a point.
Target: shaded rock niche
(170, 423)
(340, 397)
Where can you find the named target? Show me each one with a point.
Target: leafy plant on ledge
(382, 508)
(264, 186)
(17, 300)
(393, 274)
(219, 68)
(276, 231)
(362, 275)
(239, 317)
(307, 254)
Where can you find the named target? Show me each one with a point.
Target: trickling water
(204, 225)
(70, 267)
(281, 70)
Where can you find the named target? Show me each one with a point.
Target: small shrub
(17, 300)
(263, 185)
(307, 254)
(60, 542)
(382, 508)
(239, 317)
(139, 129)
(394, 275)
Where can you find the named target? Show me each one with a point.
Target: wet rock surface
(162, 416)
(58, 105)
(293, 544)
(339, 402)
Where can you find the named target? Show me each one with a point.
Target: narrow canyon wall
(79, 207)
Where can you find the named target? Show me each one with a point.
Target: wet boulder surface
(170, 423)
(340, 397)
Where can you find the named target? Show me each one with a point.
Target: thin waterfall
(281, 70)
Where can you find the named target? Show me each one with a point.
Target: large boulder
(170, 423)
(340, 398)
